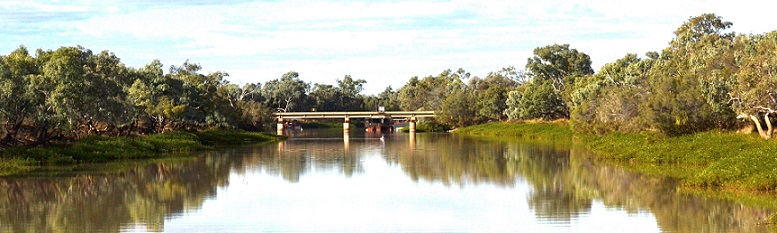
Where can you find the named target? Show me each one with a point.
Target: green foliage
(343, 97)
(72, 93)
(287, 93)
(685, 83)
(705, 79)
(558, 62)
(708, 159)
(460, 100)
(457, 109)
(612, 99)
(553, 71)
(102, 149)
(426, 127)
(536, 99)
(10, 166)
(554, 131)
(388, 99)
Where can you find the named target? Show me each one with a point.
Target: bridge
(410, 115)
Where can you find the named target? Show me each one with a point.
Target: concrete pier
(412, 125)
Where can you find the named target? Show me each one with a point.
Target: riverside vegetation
(671, 108)
(711, 159)
(708, 78)
(728, 165)
(103, 149)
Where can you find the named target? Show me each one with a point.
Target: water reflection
(563, 186)
(674, 212)
(145, 194)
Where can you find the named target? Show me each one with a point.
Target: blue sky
(383, 42)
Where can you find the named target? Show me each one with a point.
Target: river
(319, 181)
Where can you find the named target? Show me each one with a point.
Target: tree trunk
(768, 126)
(758, 126)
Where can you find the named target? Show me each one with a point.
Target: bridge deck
(387, 114)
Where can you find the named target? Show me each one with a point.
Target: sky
(383, 42)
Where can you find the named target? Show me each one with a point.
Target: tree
(612, 99)
(350, 90)
(325, 97)
(491, 94)
(537, 99)
(753, 94)
(553, 70)
(429, 92)
(154, 95)
(287, 93)
(388, 99)
(458, 110)
(16, 104)
(408, 95)
(682, 100)
(559, 64)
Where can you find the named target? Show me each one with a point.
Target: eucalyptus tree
(689, 81)
(429, 93)
(552, 70)
(754, 92)
(324, 97)
(110, 81)
(350, 91)
(408, 95)
(614, 98)
(491, 93)
(389, 99)
(559, 64)
(16, 69)
(287, 93)
(154, 95)
(458, 109)
(536, 99)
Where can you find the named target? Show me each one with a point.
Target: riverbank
(103, 149)
(556, 130)
(724, 161)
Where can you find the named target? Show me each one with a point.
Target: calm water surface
(319, 181)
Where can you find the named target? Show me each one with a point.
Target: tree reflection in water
(564, 183)
(144, 194)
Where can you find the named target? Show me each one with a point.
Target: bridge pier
(280, 126)
(412, 125)
(347, 125)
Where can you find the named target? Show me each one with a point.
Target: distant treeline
(707, 78)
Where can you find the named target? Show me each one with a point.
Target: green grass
(720, 160)
(424, 128)
(522, 130)
(102, 149)
(708, 160)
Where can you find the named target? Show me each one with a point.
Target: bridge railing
(386, 114)
(410, 115)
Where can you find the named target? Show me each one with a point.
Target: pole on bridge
(280, 126)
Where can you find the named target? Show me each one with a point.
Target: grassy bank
(424, 127)
(102, 149)
(524, 130)
(723, 161)
(720, 160)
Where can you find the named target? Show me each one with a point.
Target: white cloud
(389, 40)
